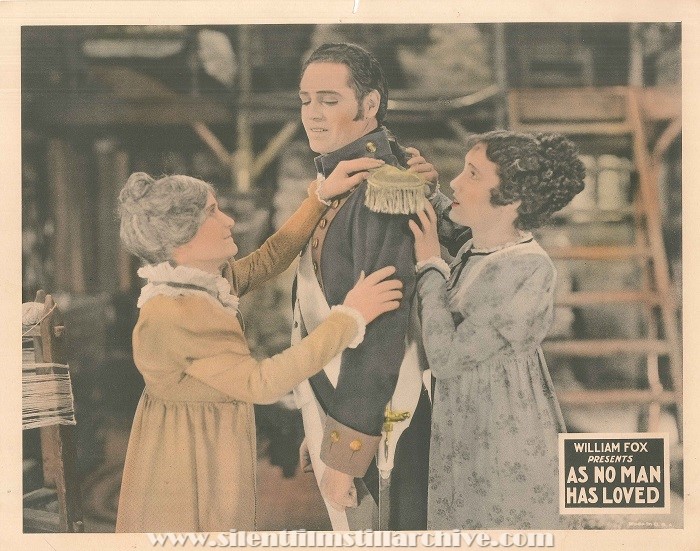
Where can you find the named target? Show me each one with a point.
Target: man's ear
(371, 104)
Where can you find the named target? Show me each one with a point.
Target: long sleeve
(279, 250)
(183, 336)
(368, 373)
(452, 235)
(507, 309)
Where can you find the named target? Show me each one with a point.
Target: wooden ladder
(620, 113)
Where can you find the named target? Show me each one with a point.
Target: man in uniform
(367, 414)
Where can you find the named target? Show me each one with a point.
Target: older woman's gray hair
(159, 215)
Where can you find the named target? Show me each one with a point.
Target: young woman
(191, 460)
(493, 451)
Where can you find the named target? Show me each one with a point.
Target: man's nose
(314, 110)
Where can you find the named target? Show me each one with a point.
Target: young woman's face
(472, 189)
(331, 115)
(213, 243)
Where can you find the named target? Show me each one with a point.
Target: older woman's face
(213, 243)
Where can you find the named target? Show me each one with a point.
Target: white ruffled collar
(166, 279)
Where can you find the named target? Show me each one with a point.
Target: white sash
(309, 312)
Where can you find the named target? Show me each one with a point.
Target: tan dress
(191, 460)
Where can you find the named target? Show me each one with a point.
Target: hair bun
(135, 189)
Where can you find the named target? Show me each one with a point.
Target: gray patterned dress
(493, 454)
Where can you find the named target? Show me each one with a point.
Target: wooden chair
(55, 507)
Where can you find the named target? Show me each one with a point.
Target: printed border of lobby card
(624, 469)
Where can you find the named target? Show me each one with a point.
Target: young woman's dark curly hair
(542, 171)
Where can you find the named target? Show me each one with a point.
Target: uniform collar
(375, 144)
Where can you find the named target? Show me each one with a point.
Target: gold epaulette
(394, 190)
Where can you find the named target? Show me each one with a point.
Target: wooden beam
(610, 252)
(95, 109)
(617, 396)
(209, 138)
(572, 105)
(587, 298)
(597, 348)
(670, 133)
(274, 147)
(660, 103)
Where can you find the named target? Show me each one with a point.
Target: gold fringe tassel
(392, 190)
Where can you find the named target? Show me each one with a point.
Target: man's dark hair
(365, 72)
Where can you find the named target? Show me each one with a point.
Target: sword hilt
(391, 417)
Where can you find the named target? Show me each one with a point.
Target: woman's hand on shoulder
(347, 175)
(419, 164)
(427, 244)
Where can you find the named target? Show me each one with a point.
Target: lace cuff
(434, 262)
(319, 187)
(354, 314)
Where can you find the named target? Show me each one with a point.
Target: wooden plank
(588, 298)
(575, 128)
(40, 496)
(96, 109)
(617, 396)
(209, 138)
(595, 348)
(668, 136)
(660, 102)
(569, 104)
(597, 253)
(36, 520)
(274, 147)
(596, 216)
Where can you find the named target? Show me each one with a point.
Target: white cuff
(435, 262)
(361, 324)
(321, 179)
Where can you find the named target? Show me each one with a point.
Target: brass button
(314, 243)
(323, 223)
(335, 436)
(355, 445)
(370, 147)
(335, 203)
(315, 267)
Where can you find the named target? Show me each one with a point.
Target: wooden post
(59, 174)
(107, 224)
(636, 68)
(500, 64)
(124, 258)
(242, 162)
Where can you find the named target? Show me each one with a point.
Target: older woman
(191, 460)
